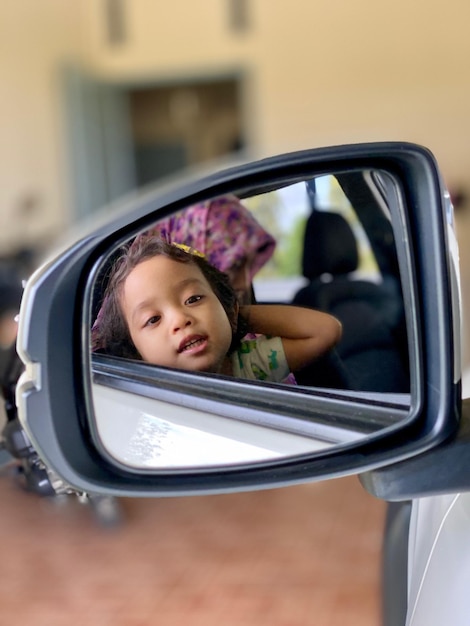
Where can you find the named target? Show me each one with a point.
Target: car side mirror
(363, 233)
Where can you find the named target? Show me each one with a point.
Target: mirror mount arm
(442, 470)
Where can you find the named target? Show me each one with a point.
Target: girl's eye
(152, 320)
(193, 299)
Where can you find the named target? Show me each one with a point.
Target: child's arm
(306, 333)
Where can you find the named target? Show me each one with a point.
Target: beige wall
(318, 72)
(365, 70)
(321, 72)
(35, 39)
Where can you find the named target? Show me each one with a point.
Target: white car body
(438, 540)
(439, 561)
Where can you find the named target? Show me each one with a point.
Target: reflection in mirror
(206, 289)
(149, 433)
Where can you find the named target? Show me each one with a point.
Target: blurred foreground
(299, 556)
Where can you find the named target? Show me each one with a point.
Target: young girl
(167, 305)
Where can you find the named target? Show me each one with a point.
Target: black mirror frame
(51, 396)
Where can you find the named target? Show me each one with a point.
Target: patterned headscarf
(223, 230)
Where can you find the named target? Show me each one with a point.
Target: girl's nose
(180, 320)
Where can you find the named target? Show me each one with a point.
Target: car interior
(373, 352)
(371, 313)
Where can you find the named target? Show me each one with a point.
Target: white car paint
(144, 432)
(439, 561)
(439, 534)
(439, 556)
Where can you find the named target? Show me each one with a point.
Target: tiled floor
(298, 556)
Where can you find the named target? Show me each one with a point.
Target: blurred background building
(98, 97)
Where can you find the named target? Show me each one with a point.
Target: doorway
(178, 126)
(124, 136)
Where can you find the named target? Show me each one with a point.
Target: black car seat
(371, 313)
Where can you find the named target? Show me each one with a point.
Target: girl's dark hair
(111, 333)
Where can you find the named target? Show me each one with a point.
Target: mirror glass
(168, 331)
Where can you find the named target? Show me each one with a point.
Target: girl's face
(174, 317)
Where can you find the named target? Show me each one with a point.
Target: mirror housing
(54, 397)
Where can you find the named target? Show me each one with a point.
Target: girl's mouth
(192, 344)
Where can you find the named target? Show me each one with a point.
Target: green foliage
(287, 258)
(272, 214)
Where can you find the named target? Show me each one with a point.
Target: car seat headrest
(330, 246)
